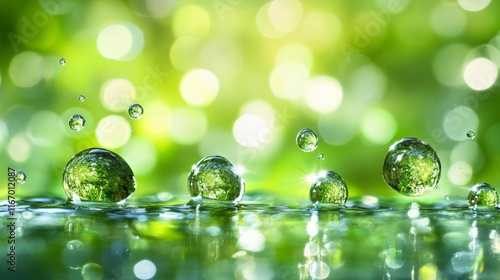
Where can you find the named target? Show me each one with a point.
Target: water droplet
(98, 175)
(482, 194)
(76, 122)
(411, 167)
(20, 177)
(446, 197)
(319, 270)
(74, 254)
(307, 140)
(214, 177)
(328, 188)
(92, 271)
(62, 61)
(471, 134)
(321, 156)
(81, 98)
(135, 111)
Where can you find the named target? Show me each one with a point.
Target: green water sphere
(21, 177)
(135, 111)
(411, 167)
(76, 122)
(329, 188)
(98, 175)
(307, 140)
(215, 177)
(482, 195)
(471, 134)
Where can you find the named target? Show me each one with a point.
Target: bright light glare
(252, 240)
(480, 74)
(145, 269)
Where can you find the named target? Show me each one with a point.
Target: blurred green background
(240, 78)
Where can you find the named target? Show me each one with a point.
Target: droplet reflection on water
(76, 122)
(307, 140)
(20, 177)
(328, 188)
(135, 111)
(471, 134)
(98, 175)
(411, 167)
(62, 61)
(482, 195)
(215, 177)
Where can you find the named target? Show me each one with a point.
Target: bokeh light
(473, 5)
(120, 41)
(199, 87)
(117, 95)
(480, 74)
(113, 131)
(323, 94)
(145, 269)
(26, 69)
(187, 125)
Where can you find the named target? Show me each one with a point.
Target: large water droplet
(76, 122)
(20, 177)
(62, 61)
(411, 167)
(482, 195)
(135, 111)
(307, 140)
(81, 98)
(98, 175)
(471, 134)
(328, 188)
(215, 177)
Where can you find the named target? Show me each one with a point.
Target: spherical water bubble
(81, 98)
(92, 271)
(471, 134)
(76, 122)
(62, 61)
(98, 175)
(20, 177)
(411, 167)
(135, 111)
(328, 188)
(321, 156)
(74, 254)
(482, 195)
(319, 270)
(215, 177)
(307, 140)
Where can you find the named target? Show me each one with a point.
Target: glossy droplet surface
(471, 134)
(135, 111)
(62, 61)
(92, 271)
(482, 195)
(214, 177)
(307, 140)
(20, 177)
(329, 187)
(81, 98)
(411, 167)
(76, 122)
(98, 175)
(321, 156)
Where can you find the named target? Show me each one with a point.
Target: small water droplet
(471, 134)
(81, 98)
(98, 175)
(62, 61)
(135, 111)
(92, 271)
(20, 177)
(411, 167)
(482, 195)
(328, 188)
(215, 177)
(321, 156)
(307, 140)
(446, 197)
(76, 122)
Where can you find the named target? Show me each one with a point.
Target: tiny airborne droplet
(482, 195)
(20, 177)
(471, 134)
(62, 61)
(328, 188)
(81, 98)
(321, 156)
(135, 111)
(76, 122)
(307, 140)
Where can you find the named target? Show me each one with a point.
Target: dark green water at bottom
(152, 239)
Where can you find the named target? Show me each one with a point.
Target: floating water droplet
(76, 122)
(328, 188)
(482, 195)
(20, 177)
(135, 111)
(98, 175)
(471, 134)
(321, 156)
(81, 98)
(92, 271)
(74, 254)
(411, 167)
(307, 140)
(319, 270)
(215, 177)
(62, 61)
